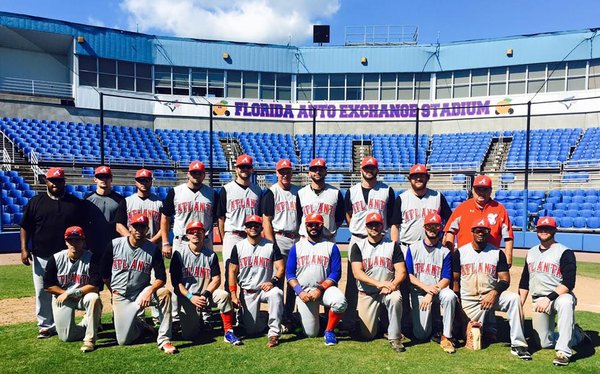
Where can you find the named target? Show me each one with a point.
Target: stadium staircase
(497, 155)
(360, 149)
(232, 149)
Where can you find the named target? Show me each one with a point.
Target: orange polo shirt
(463, 216)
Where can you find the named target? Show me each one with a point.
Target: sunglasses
(56, 180)
(253, 226)
(314, 224)
(480, 231)
(196, 232)
(103, 176)
(317, 169)
(483, 189)
(244, 167)
(143, 180)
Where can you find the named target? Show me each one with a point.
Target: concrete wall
(34, 65)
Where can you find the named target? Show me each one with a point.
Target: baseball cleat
(45, 333)
(273, 341)
(231, 338)
(330, 338)
(169, 348)
(521, 352)
(397, 345)
(560, 359)
(447, 345)
(87, 347)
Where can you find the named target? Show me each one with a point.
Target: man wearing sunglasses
(103, 205)
(73, 279)
(257, 267)
(238, 199)
(313, 269)
(481, 278)
(45, 219)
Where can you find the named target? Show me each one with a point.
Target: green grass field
(20, 351)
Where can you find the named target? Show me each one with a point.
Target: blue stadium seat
(565, 222)
(593, 222)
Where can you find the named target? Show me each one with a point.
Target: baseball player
(281, 221)
(480, 273)
(378, 266)
(142, 202)
(364, 198)
(429, 266)
(45, 218)
(126, 266)
(457, 226)
(321, 198)
(237, 200)
(313, 269)
(196, 277)
(252, 263)
(73, 280)
(103, 205)
(549, 274)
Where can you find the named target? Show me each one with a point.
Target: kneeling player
(125, 269)
(313, 269)
(378, 266)
(481, 276)
(71, 276)
(196, 278)
(429, 266)
(251, 266)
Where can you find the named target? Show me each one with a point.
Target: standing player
(364, 198)
(72, 277)
(45, 218)
(321, 198)
(281, 221)
(480, 273)
(142, 202)
(549, 274)
(481, 204)
(378, 266)
(126, 266)
(238, 199)
(252, 263)
(103, 205)
(429, 267)
(313, 270)
(196, 277)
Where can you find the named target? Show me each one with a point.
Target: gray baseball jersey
(378, 261)
(128, 268)
(325, 204)
(195, 272)
(149, 207)
(255, 262)
(545, 271)
(478, 270)
(284, 210)
(413, 211)
(186, 205)
(377, 202)
(312, 263)
(240, 202)
(429, 264)
(67, 274)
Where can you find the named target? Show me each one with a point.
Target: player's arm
(340, 213)
(268, 205)
(508, 236)
(396, 220)
(358, 270)
(25, 253)
(160, 274)
(221, 210)
(456, 273)
(105, 268)
(234, 268)
(488, 301)
(121, 218)
(290, 273)
(348, 205)
(452, 227)
(399, 267)
(166, 212)
(524, 283)
(278, 264)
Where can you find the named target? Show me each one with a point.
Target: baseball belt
(290, 235)
(362, 236)
(238, 233)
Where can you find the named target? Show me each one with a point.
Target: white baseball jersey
(544, 269)
(149, 207)
(312, 263)
(325, 204)
(67, 274)
(255, 262)
(378, 261)
(284, 210)
(377, 202)
(478, 270)
(427, 263)
(413, 211)
(239, 202)
(195, 272)
(187, 205)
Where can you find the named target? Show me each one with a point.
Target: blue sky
(281, 21)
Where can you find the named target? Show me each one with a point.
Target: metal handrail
(36, 87)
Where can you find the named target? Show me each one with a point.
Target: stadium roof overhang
(35, 41)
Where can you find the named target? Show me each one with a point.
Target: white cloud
(95, 22)
(261, 21)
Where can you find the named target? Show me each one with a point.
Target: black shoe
(521, 352)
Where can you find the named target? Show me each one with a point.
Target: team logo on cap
(418, 168)
(102, 170)
(374, 216)
(284, 163)
(196, 165)
(245, 159)
(545, 221)
(483, 181)
(140, 219)
(433, 219)
(370, 161)
(481, 223)
(318, 163)
(56, 173)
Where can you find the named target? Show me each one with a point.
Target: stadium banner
(434, 110)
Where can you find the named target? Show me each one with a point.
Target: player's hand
(167, 249)
(266, 286)
(384, 289)
(542, 305)
(432, 290)
(426, 302)
(60, 299)
(202, 302)
(145, 298)
(386, 284)
(315, 294)
(488, 302)
(305, 297)
(26, 257)
(235, 301)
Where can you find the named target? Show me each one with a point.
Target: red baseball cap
(139, 219)
(284, 163)
(481, 223)
(314, 218)
(55, 173)
(143, 173)
(243, 160)
(103, 170)
(194, 225)
(318, 162)
(374, 217)
(196, 166)
(546, 222)
(418, 169)
(253, 219)
(432, 219)
(74, 232)
(482, 181)
(369, 161)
